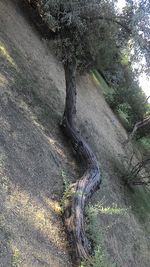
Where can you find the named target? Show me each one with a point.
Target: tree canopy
(93, 28)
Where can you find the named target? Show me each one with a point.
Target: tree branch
(114, 20)
(146, 100)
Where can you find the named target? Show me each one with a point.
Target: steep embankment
(34, 154)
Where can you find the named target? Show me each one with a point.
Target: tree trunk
(83, 189)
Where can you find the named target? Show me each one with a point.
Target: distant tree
(128, 97)
(84, 29)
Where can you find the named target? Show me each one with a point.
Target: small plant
(16, 258)
(114, 210)
(67, 191)
(66, 180)
(95, 235)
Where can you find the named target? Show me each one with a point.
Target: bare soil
(34, 154)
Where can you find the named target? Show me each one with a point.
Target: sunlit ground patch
(4, 52)
(39, 216)
(53, 205)
(3, 80)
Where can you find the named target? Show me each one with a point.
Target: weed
(16, 258)
(114, 210)
(95, 234)
(67, 191)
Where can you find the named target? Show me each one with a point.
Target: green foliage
(148, 109)
(124, 59)
(109, 210)
(16, 258)
(95, 234)
(99, 259)
(124, 111)
(98, 79)
(145, 141)
(94, 34)
(67, 192)
(110, 98)
(129, 102)
(94, 31)
(66, 180)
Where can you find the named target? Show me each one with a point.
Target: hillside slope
(34, 154)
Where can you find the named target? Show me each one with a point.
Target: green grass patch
(123, 117)
(98, 79)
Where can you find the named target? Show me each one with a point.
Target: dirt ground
(33, 155)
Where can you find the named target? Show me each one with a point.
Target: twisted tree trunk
(83, 189)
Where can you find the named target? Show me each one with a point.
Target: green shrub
(124, 119)
(145, 142)
(100, 258)
(109, 97)
(67, 192)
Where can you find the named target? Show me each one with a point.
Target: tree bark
(83, 189)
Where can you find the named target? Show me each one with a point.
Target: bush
(145, 141)
(95, 235)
